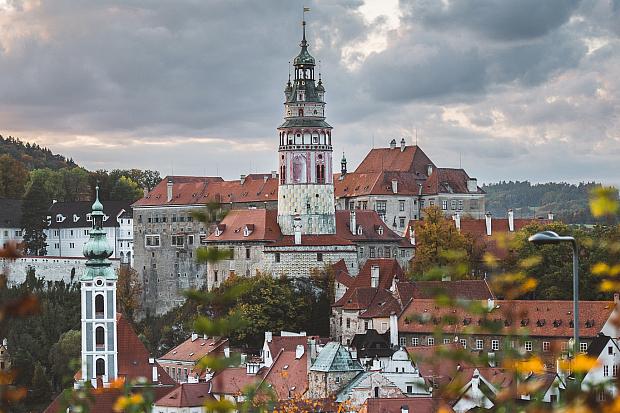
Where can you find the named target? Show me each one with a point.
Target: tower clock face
(99, 282)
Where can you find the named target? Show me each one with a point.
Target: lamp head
(548, 237)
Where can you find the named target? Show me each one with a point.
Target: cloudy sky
(524, 89)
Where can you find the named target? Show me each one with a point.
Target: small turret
(343, 165)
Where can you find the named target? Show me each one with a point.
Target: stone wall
(314, 203)
(47, 268)
(322, 384)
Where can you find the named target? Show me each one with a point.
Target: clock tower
(306, 189)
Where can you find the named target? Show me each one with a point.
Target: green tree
(13, 177)
(52, 180)
(150, 179)
(125, 189)
(40, 389)
(75, 184)
(34, 217)
(438, 243)
(64, 359)
(128, 292)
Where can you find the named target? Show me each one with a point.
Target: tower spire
(304, 43)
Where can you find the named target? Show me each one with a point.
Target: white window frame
(402, 341)
(152, 244)
(430, 341)
(583, 347)
(546, 346)
(415, 342)
(495, 345)
(528, 346)
(463, 342)
(479, 344)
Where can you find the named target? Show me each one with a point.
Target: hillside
(568, 202)
(33, 156)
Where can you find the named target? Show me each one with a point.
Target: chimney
(429, 169)
(550, 216)
(374, 276)
(169, 189)
(242, 179)
(311, 352)
(155, 376)
(194, 336)
(268, 336)
(227, 352)
(487, 218)
(616, 298)
(402, 145)
(394, 330)
(404, 409)
(412, 235)
(472, 185)
(353, 223)
(394, 186)
(490, 304)
(457, 220)
(511, 220)
(393, 144)
(297, 230)
(274, 174)
(265, 177)
(299, 351)
(376, 364)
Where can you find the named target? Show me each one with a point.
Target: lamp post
(550, 237)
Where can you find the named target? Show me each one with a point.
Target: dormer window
(380, 230)
(105, 217)
(359, 230)
(76, 218)
(248, 229)
(219, 230)
(89, 218)
(59, 218)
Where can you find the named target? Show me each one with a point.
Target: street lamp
(550, 237)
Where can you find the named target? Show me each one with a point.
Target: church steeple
(305, 151)
(98, 290)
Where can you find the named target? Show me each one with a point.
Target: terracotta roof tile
(368, 220)
(414, 405)
(382, 305)
(412, 159)
(447, 180)
(186, 395)
(195, 350)
(538, 318)
(263, 226)
(358, 298)
(288, 376)
(466, 289)
(232, 381)
(388, 270)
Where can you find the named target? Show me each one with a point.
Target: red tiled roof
(377, 183)
(195, 190)
(388, 270)
(263, 224)
(356, 298)
(412, 159)
(186, 395)
(195, 350)
(414, 405)
(382, 305)
(233, 381)
(467, 289)
(286, 343)
(447, 180)
(288, 376)
(369, 221)
(433, 365)
(538, 318)
(341, 273)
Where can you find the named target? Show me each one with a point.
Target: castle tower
(306, 186)
(98, 287)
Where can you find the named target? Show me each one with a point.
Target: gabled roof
(358, 298)
(193, 350)
(466, 289)
(413, 405)
(388, 270)
(378, 183)
(335, 357)
(596, 346)
(539, 318)
(382, 305)
(341, 273)
(434, 367)
(364, 383)
(369, 221)
(262, 223)
(186, 395)
(197, 190)
(10, 213)
(288, 375)
(233, 381)
(83, 208)
(448, 181)
(411, 159)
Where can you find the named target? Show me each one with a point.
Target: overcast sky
(525, 89)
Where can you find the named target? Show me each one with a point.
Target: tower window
(100, 367)
(99, 306)
(99, 338)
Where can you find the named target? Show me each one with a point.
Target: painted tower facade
(306, 189)
(98, 290)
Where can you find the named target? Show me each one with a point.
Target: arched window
(99, 306)
(99, 338)
(283, 174)
(301, 112)
(100, 367)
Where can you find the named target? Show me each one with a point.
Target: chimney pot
(511, 220)
(395, 186)
(353, 223)
(169, 187)
(402, 145)
(487, 218)
(393, 144)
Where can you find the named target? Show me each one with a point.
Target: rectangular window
(495, 345)
(401, 222)
(319, 256)
(71, 245)
(453, 204)
(444, 204)
(401, 206)
(372, 252)
(215, 275)
(190, 240)
(402, 341)
(528, 346)
(387, 252)
(364, 205)
(479, 344)
(164, 218)
(365, 325)
(610, 350)
(583, 347)
(430, 341)
(152, 240)
(247, 253)
(361, 251)
(614, 370)
(174, 218)
(606, 371)
(415, 341)
(348, 323)
(460, 204)
(156, 219)
(149, 219)
(446, 341)
(546, 346)
(277, 257)
(380, 207)
(473, 204)
(463, 342)
(178, 241)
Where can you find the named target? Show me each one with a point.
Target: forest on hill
(32, 156)
(568, 202)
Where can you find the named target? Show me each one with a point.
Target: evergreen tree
(34, 217)
(40, 389)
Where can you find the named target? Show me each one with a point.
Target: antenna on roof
(373, 141)
(416, 136)
(460, 163)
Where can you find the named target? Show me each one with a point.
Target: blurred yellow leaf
(530, 262)
(529, 284)
(603, 201)
(580, 364)
(615, 270)
(600, 268)
(608, 286)
(490, 260)
(531, 365)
